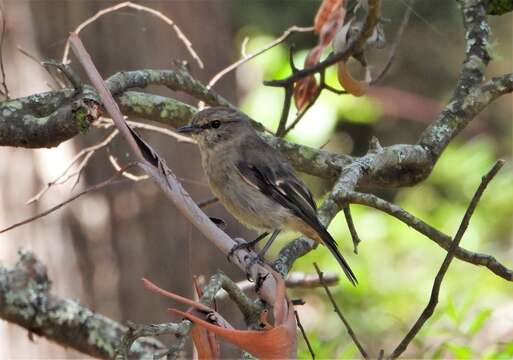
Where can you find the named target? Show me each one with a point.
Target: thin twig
(106, 123)
(245, 58)
(108, 182)
(352, 228)
(5, 91)
(294, 280)
(287, 101)
(302, 113)
(395, 44)
(430, 232)
(340, 315)
(300, 326)
(435, 291)
(128, 4)
(86, 153)
(127, 174)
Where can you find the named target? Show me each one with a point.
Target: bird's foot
(248, 245)
(251, 260)
(241, 244)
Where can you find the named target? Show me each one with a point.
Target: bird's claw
(241, 244)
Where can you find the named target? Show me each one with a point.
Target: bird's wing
(281, 184)
(276, 179)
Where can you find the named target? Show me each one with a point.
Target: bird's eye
(215, 124)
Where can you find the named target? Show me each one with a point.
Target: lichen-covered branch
(26, 300)
(430, 232)
(46, 119)
(177, 80)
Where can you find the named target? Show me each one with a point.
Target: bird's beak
(188, 129)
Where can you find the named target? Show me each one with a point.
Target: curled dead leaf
(323, 14)
(276, 341)
(351, 85)
(304, 91)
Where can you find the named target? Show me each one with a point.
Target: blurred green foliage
(396, 266)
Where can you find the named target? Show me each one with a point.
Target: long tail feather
(331, 244)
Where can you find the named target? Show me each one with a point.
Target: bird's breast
(248, 205)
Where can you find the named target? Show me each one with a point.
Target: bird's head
(216, 125)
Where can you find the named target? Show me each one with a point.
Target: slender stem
(435, 291)
(340, 315)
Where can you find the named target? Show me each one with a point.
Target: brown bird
(254, 182)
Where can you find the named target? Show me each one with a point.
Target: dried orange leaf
(351, 85)
(331, 27)
(304, 91)
(205, 343)
(324, 12)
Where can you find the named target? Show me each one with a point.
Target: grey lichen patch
(12, 104)
(475, 62)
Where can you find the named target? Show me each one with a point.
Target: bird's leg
(268, 244)
(246, 244)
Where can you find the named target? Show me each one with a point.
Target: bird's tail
(331, 244)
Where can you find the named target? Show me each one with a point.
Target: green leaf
(459, 351)
(478, 322)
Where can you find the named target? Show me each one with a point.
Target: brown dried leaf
(276, 342)
(324, 12)
(351, 85)
(331, 27)
(304, 91)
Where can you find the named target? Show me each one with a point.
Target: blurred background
(98, 247)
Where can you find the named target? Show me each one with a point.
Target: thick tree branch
(26, 300)
(459, 112)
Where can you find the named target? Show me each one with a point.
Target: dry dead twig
(129, 4)
(435, 291)
(86, 153)
(340, 315)
(108, 182)
(245, 58)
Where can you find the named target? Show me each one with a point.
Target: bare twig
(245, 58)
(5, 91)
(108, 182)
(435, 291)
(287, 101)
(352, 228)
(430, 232)
(303, 112)
(127, 174)
(294, 280)
(395, 44)
(340, 315)
(129, 4)
(300, 326)
(86, 153)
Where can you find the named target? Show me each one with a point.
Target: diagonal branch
(430, 232)
(337, 310)
(435, 291)
(156, 168)
(26, 300)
